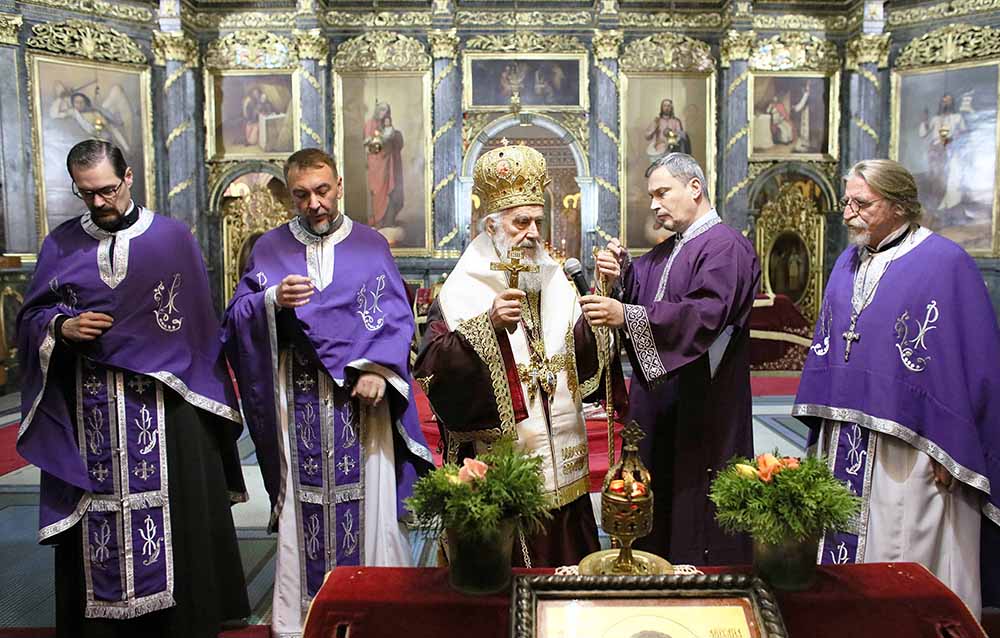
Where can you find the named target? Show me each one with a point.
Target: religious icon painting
(794, 115)
(74, 100)
(383, 146)
(661, 113)
(944, 130)
(251, 113)
(494, 81)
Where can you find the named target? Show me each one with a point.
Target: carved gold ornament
(799, 22)
(607, 44)
(251, 49)
(10, 26)
(868, 49)
(667, 52)
(578, 125)
(672, 20)
(312, 45)
(174, 46)
(255, 213)
(368, 19)
(950, 44)
(473, 124)
(241, 20)
(524, 18)
(444, 43)
(794, 52)
(525, 42)
(85, 39)
(737, 45)
(382, 51)
(102, 8)
(942, 11)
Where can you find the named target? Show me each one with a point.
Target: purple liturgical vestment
(358, 321)
(687, 309)
(96, 414)
(919, 364)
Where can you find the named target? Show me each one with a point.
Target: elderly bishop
(507, 352)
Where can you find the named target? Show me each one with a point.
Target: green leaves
(797, 503)
(512, 488)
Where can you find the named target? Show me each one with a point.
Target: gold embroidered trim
(590, 386)
(571, 492)
(575, 465)
(573, 451)
(572, 381)
(425, 383)
(479, 332)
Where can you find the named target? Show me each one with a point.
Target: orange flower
(768, 465)
(472, 469)
(790, 462)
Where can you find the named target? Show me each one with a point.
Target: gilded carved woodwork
(868, 49)
(799, 22)
(242, 20)
(667, 52)
(949, 44)
(525, 42)
(737, 45)
(607, 44)
(251, 49)
(174, 46)
(10, 27)
(84, 39)
(244, 218)
(700, 20)
(100, 8)
(444, 43)
(382, 51)
(794, 52)
(943, 11)
(368, 19)
(524, 18)
(312, 45)
(473, 124)
(793, 211)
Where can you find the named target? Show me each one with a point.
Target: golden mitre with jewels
(510, 176)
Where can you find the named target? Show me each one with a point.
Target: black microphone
(574, 270)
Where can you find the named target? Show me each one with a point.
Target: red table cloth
(875, 599)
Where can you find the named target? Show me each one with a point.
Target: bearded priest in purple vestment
(508, 353)
(318, 334)
(684, 308)
(901, 392)
(129, 411)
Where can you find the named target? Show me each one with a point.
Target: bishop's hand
(506, 310)
(86, 327)
(294, 291)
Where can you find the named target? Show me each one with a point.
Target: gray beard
(526, 281)
(858, 236)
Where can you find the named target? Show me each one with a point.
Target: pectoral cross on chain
(514, 267)
(851, 336)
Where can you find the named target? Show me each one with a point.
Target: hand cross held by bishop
(513, 267)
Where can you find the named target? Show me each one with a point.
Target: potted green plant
(479, 507)
(786, 505)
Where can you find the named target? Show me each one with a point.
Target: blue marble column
(867, 83)
(313, 49)
(601, 220)
(19, 224)
(731, 197)
(450, 233)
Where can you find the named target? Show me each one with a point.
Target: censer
(626, 514)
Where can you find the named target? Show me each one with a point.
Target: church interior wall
(183, 42)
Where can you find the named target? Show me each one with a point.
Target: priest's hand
(294, 291)
(506, 310)
(86, 327)
(607, 262)
(370, 388)
(942, 476)
(603, 311)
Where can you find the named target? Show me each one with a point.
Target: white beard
(858, 235)
(535, 254)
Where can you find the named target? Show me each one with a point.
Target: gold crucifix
(513, 267)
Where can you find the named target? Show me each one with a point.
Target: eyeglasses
(856, 205)
(107, 193)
